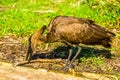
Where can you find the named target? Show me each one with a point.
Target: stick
(9, 42)
(38, 60)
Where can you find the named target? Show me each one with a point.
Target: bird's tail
(107, 42)
(111, 34)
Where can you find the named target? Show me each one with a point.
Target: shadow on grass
(63, 52)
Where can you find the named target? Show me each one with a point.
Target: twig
(9, 42)
(39, 11)
(38, 60)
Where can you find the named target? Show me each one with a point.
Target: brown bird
(71, 31)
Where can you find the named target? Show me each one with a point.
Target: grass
(22, 18)
(98, 61)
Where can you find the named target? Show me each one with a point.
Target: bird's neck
(49, 38)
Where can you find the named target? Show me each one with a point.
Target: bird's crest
(42, 29)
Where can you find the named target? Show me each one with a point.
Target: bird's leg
(79, 50)
(70, 64)
(66, 64)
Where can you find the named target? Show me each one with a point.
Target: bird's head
(34, 41)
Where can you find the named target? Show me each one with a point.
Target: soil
(13, 51)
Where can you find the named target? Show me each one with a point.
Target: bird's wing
(82, 32)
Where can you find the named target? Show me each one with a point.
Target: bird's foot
(68, 67)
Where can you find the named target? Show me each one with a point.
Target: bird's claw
(68, 67)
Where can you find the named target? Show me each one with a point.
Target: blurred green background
(23, 17)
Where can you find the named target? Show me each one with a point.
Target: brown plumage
(72, 31)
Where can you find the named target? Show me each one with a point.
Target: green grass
(23, 17)
(98, 61)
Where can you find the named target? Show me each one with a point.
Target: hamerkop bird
(71, 31)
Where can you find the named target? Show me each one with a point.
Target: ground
(13, 51)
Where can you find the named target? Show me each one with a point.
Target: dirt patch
(8, 72)
(13, 51)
